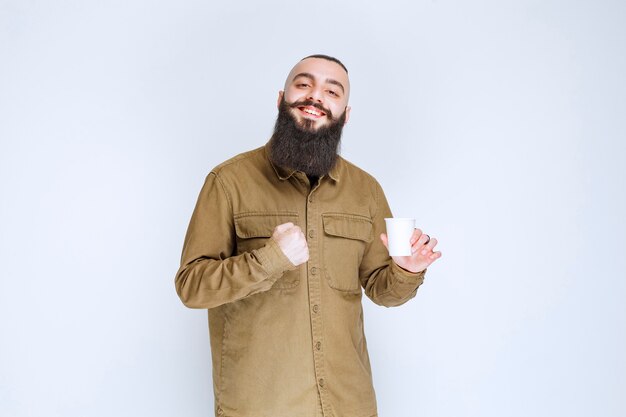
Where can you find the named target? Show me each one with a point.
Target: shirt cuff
(408, 277)
(273, 260)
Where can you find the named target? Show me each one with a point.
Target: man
(281, 243)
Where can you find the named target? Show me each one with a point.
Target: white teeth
(313, 112)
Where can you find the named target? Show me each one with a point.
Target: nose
(315, 94)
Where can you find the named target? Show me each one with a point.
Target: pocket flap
(351, 226)
(249, 225)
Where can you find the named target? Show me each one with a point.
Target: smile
(311, 111)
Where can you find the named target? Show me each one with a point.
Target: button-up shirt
(288, 341)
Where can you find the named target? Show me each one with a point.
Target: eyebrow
(328, 80)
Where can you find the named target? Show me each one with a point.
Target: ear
(281, 93)
(348, 108)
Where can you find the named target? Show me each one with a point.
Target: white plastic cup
(399, 232)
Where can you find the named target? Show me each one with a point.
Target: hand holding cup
(410, 248)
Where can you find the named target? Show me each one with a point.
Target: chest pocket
(254, 229)
(345, 238)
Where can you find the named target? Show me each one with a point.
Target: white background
(498, 124)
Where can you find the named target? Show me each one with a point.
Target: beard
(297, 145)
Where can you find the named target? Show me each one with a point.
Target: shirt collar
(286, 173)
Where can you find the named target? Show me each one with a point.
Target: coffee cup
(399, 232)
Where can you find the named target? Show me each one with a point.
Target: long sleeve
(384, 282)
(209, 275)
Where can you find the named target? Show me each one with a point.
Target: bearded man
(282, 243)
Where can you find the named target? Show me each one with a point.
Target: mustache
(311, 103)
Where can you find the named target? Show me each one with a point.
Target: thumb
(283, 227)
(383, 238)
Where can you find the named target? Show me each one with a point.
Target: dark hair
(327, 58)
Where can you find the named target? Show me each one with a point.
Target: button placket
(314, 281)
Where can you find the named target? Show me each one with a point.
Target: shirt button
(321, 382)
(310, 199)
(316, 308)
(318, 346)
(311, 234)
(314, 271)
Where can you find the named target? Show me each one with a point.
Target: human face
(302, 148)
(322, 87)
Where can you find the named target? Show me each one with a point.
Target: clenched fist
(292, 242)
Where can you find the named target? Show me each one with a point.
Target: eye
(302, 85)
(333, 93)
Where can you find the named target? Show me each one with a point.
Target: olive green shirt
(288, 341)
